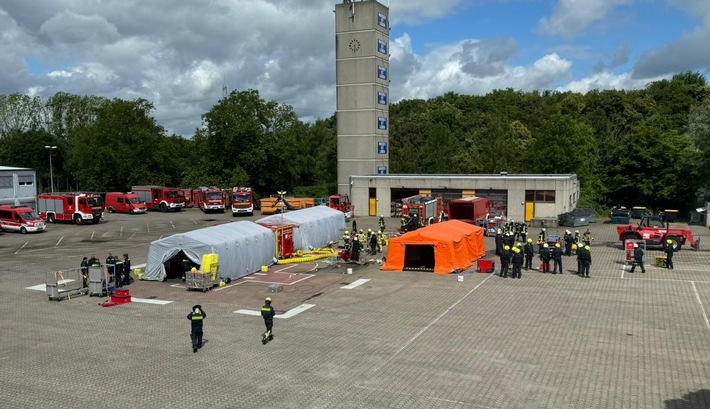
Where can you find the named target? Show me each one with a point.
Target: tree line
(639, 147)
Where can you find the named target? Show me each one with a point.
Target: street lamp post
(282, 194)
(51, 170)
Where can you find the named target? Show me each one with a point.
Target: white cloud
(606, 80)
(571, 17)
(443, 69)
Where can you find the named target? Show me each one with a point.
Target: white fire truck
(76, 207)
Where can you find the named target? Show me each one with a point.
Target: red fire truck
(160, 197)
(211, 199)
(242, 201)
(76, 207)
(342, 203)
(427, 208)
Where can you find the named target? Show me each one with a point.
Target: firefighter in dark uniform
(185, 266)
(586, 260)
(557, 258)
(517, 260)
(504, 261)
(541, 238)
(568, 243)
(373, 243)
(529, 254)
(84, 272)
(638, 259)
(356, 249)
(523, 231)
(381, 222)
(545, 257)
(499, 242)
(669, 254)
(196, 317)
(118, 271)
(268, 313)
(126, 269)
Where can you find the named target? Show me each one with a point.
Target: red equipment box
(485, 266)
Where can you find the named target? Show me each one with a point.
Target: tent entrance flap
(176, 266)
(419, 257)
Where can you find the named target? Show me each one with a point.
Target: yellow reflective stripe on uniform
(264, 309)
(197, 317)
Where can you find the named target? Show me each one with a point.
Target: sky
(180, 54)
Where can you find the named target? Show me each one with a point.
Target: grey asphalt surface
(401, 340)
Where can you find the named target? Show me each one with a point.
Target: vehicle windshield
(652, 222)
(29, 215)
(134, 200)
(174, 193)
(241, 198)
(94, 201)
(214, 195)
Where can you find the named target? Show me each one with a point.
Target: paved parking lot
(399, 340)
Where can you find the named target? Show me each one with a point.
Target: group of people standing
(518, 256)
(356, 241)
(119, 269)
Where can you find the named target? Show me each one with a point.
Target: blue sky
(180, 57)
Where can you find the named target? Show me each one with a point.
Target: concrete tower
(362, 89)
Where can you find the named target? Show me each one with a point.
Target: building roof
(13, 168)
(502, 175)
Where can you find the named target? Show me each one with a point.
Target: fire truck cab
(242, 201)
(211, 199)
(342, 203)
(76, 207)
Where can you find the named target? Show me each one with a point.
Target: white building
(520, 197)
(18, 186)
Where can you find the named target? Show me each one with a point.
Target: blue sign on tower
(382, 20)
(381, 98)
(381, 72)
(381, 148)
(382, 46)
(381, 123)
(382, 170)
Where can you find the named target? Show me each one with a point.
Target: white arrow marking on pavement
(150, 301)
(288, 314)
(355, 283)
(43, 287)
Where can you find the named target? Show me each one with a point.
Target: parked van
(20, 218)
(120, 202)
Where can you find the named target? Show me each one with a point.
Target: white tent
(243, 247)
(314, 226)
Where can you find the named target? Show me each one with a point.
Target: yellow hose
(303, 259)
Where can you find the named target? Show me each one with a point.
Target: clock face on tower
(354, 45)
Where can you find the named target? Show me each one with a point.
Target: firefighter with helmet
(557, 258)
(268, 313)
(669, 254)
(545, 257)
(505, 256)
(541, 239)
(381, 222)
(529, 254)
(587, 238)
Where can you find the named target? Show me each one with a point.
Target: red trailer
(472, 209)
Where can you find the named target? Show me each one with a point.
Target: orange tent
(443, 247)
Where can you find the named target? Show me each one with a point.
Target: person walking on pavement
(557, 258)
(84, 272)
(638, 259)
(268, 313)
(669, 254)
(196, 317)
(517, 260)
(529, 254)
(586, 261)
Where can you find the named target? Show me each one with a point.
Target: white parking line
(171, 223)
(131, 236)
(92, 235)
(423, 330)
(697, 297)
(355, 283)
(23, 246)
(59, 241)
(121, 233)
(228, 285)
(147, 226)
(288, 314)
(104, 235)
